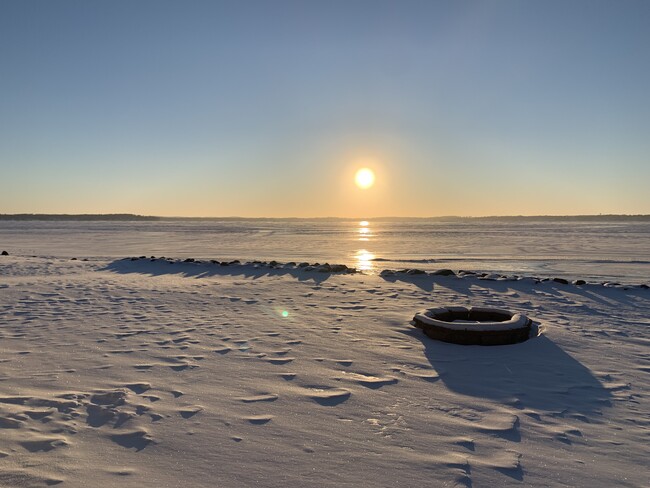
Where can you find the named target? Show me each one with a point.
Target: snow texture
(119, 373)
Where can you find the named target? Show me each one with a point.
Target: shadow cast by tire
(535, 374)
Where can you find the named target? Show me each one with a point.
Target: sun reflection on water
(364, 260)
(364, 231)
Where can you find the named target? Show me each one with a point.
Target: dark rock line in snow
(385, 273)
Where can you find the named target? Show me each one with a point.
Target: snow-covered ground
(144, 374)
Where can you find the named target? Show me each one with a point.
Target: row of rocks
(415, 271)
(327, 268)
(321, 268)
(500, 277)
(343, 269)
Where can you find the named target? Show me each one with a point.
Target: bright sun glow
(364, 178)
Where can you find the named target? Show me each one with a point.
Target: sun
(364, 178)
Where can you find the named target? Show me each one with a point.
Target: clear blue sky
(267, 108)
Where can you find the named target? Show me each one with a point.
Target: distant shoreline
(77, 217)
(497, 218)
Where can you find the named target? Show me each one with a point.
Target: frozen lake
(590, 249)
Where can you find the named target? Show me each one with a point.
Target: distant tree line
(555, 218)
(77, 217)
(447, 218)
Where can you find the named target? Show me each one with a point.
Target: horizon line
(8, 216)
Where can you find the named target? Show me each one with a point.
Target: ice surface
(592, 250)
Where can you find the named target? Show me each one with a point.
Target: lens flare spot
(285, 313)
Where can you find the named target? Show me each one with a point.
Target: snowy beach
(335, 244)
(141, 373)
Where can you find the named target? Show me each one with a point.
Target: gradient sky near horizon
(267, 108)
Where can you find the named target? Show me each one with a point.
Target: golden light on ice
(364, 230)
(364, 260)
(364, 178)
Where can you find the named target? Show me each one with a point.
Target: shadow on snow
(536, 374)
(207, 269)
